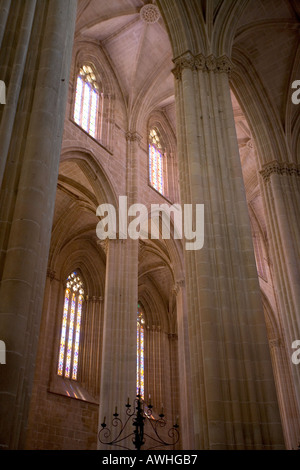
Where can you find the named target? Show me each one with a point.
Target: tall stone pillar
(35, 54)
(280, 184)
(119, 353)
(185, 391)
(234, 401)
(118, 371)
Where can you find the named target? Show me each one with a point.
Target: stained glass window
(70, 330)
(87, 99)
(140, 371)
(156, 161)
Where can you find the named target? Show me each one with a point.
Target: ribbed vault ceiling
(139, 52)
(141, 56)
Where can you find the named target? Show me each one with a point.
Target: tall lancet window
(87, 101)
(156, 171)
(140, 372)
(70, 330)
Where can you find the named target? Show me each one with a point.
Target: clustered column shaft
(230, 356)
(45, 40)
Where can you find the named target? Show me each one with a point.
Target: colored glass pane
(93, 114)
(77, 337)
(78, 99)
(155, 161)
(63, 334)
(140, 373)
(86, 107)
(70, 332)
(87, 100)
(70, 337)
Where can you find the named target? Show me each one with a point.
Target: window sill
(71, 389)
(160, 194)
(91, 137)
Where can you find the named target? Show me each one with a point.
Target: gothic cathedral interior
(149, 223)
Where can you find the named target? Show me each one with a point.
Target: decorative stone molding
(250, 144)
(210, 64)
(275, 343)
(199, 62)
(186, 61)
(279, 168)
(133, 137)
(51, 274)
(94, 299)
(154, 328)
(150, 13)
(173, 336)
(178, 285)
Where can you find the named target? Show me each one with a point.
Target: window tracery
(140, 372)
(70, 330)
(87, 100)
(156, 170)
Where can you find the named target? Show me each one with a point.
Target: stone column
(286, 393)
(280, 184)
(118, 372)
(185, 391)
(32, 163)
(233, 393)
(4, 10)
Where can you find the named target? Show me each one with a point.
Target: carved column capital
(200, 62)
(279, 168)
(185, 61)
(224, 65)
(178, 285)
(133, 137)
(51, 274)
(172, 336)
(210, 63)
(275, 343)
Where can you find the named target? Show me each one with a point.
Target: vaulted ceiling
(140, 54)
(139, 51)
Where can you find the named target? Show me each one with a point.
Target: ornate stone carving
(250, 144)
(150, 13)
(173, 336)
(178, 285)
(279, 168)
(186, 61)
(211, 63)
(224, 65)
(51, 274)
(199, 62)
(275, 343)
(133, 137)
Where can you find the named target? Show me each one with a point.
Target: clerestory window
(156, 163)
(88, 98)
(70, 330)
(140, 372)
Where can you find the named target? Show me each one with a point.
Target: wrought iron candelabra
(139, 416)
